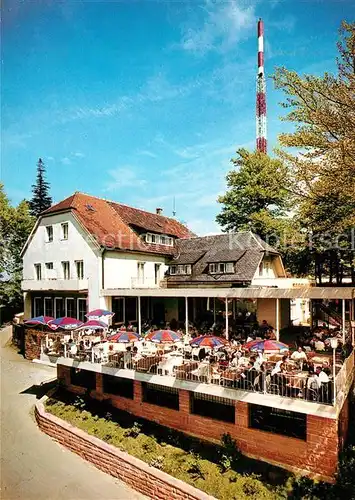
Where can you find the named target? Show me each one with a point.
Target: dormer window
(159, 239)
(221, 268)
(180, 269)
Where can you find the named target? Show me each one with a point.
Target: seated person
(322, 375)
(299, 356)
(57, 345)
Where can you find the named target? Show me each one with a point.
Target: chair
(201, 371)
(312, 395)
(274, 389)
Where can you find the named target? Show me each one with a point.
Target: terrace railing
(344, 380)
(298, 385)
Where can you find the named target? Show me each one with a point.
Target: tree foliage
(15, 227)
(41, 199)
(257, 195)
(314, 173)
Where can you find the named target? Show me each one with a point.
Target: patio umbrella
(93, 324)
(98, 313)
(39, 320)
(66, 323)
(208, 341)
(266, 345)
(160, 336)
(124, 337)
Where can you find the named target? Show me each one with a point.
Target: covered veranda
(272, 304)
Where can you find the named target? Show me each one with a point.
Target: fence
(295, 383)
(344, 380)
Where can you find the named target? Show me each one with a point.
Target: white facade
(133, 270)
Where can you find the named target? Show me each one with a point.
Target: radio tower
(261, 143)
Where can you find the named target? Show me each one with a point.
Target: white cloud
(224, 24)
(203, 227)
(78, 154)
(49, 158)
(145, 152)
(123, 177)
(65, 161)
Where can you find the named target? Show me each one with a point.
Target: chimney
(158, 211)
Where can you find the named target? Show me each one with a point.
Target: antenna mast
(261, 142)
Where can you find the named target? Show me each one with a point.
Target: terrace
(226, 372)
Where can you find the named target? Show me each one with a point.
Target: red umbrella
(94, 324)
(124, 337)
(39, 320)
(163, 336)
(208, 341)
(266, 345)
(66, 323)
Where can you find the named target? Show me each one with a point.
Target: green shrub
(157, 462)
(194, 466)
(229, 453)
(134, 431)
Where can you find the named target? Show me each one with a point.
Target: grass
(216, 470)
(219, 470)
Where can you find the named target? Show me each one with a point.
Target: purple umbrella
(39, 320)
(66, 323)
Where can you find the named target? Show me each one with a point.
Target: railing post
(139, 316)
(343, 319)
(186, 315)
(278, 319)
(227, 320)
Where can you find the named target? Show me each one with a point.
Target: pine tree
(41, 199)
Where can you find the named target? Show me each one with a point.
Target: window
(49, 234)
(181, 269)
(156, 273)
(66, 270)
(221, 268)
(38, 271)
(119, 386)
(160, 395)
(59, 307)
(38, 309)
(140, 270)
(261, 269)
(287, 423)
(50, 274)
(118, 309)
(83, 378)
(212, 407)
(81, 309)
(70, 307)
(48, 306)
(79, 269)
(64, 230)
(159, 239)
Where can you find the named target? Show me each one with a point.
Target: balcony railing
(296, 384)
(54, 284)
(149, 282)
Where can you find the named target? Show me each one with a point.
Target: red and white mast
(261, 143)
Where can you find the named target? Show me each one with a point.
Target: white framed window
(59, 307)
(79, 269)
(157, 273)
(50, 273)
(48, 306)
(82, 309)
(159, 239)
(221, 268)
(49, 234)
(70, 307)
(66, 270)
(38, 271)
(38, 306)
(181, 269)
(140, 270)
(64, 227)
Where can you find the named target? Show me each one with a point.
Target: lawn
(219, 470)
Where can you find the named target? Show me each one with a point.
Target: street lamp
(334, 345)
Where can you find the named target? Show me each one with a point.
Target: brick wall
(316, 457)
(137, 474)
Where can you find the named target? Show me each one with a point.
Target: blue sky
(141, 102)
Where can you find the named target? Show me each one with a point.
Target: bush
(194, 466)
(134, 431)
(229, 453)
(157, 462)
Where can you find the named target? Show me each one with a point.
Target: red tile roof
(112, 224)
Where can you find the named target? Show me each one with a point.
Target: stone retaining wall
(134, 472)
